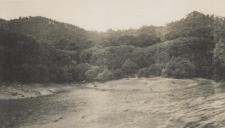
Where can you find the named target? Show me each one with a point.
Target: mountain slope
(69, 53)
(51, 32)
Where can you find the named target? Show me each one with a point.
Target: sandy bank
(17, 91)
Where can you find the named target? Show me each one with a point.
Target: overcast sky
(104, 14)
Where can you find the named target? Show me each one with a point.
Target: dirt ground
(127, 103)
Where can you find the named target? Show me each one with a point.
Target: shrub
(59, 74)
(153, 70)
(78, 72)
(105, 75)
(92, 73)
(156, 69)
(65, 75)
(129, 67)
(143, 72)
(179, 68)
(118, 73)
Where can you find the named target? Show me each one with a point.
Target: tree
(130, 67)
(179, 67)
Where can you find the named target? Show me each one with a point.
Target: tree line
(38, 49)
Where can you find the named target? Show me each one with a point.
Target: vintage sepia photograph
(112, 63)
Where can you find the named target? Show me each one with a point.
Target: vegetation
(37, 49)
(179, 68)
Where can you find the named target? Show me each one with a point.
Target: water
(26, 111)
(131, 103)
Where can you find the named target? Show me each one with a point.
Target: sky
(102, 15)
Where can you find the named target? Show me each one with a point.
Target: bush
(58, 74)
(143, 72)
(78, 72)
(219, 70)
(118, 73)
(66, 76)
(129, 67)
(153, 70)
(179, 68)
(92, 73)
(105, 75)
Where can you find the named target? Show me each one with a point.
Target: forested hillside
(38, 49)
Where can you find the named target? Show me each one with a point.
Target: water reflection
(21, 111)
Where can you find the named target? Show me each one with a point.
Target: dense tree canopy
(37, 49)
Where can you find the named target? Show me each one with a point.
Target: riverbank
(19, 91)
(127, 103)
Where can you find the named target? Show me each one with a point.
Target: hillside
(52, 51)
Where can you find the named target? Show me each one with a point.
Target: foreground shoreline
(127, 103)
(20, 91)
